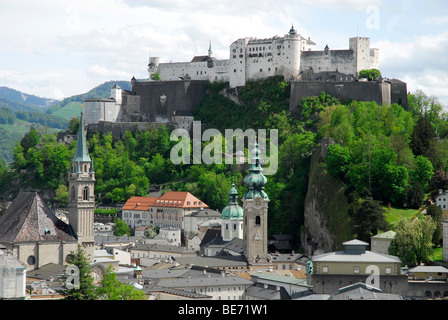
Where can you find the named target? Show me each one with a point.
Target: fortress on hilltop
(256, 59)
(172, 90)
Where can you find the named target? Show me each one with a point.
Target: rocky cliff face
(327, 223)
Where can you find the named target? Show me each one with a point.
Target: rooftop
(29, 219)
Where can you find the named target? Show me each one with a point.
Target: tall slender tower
(255, 207)
(81, 182)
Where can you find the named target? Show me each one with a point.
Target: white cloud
(71, 46)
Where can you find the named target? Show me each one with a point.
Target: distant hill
(29, 99)
(19, 111)
(70, 107)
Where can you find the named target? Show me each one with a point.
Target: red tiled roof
(179, 199)
(139, 203)
(171, 199)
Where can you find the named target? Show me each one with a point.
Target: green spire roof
(232, 210)
(255, 180)
(81, 152)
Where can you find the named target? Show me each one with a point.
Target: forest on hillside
(380, 153)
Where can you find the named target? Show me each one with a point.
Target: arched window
(73, 194)
(85, 195)
(257, 220)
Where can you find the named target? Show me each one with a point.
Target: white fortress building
(256, 59)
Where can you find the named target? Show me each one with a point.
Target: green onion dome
(232, 210)
(255, 180)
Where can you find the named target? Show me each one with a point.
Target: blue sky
(61, 48)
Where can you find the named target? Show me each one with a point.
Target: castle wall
(159, 99)
(380, 92)
(118, 129)
(342, 61)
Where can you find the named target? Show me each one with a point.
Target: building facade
(167, 211)
(103, 109)
(381, 242)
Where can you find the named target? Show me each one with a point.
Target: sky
(61, 48)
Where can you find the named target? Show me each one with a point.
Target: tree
(435, 212)
(423, 139)
(151, 231)
(413, 241)
(338, 160)
(111, 289)
(369, 220)
(73, 125)
(415, 196)
(86, 290)
(423, 172)
(121, 228)
(62, 194)
(370, 74)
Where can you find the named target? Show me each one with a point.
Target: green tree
(423, 172)
(73, 125)
(435, 212)
(338, 160)
(369, 220)
(86, 290)
(370, 74)
(151, 231)
(423, 139)
(121, 228)
(61, 194)
(413, 241)
(111, 289)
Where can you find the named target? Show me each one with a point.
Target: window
(356, 270)
(85, 195)
(257, 220)
(31, 260)
(388, 270)
(325, 269)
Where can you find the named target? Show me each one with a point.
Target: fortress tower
(364, 56)
(81, 183)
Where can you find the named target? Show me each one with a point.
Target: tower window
(257, 220)
(85, 193)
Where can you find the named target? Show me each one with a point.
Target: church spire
(255, 180)
(81, 152)
(210, 50)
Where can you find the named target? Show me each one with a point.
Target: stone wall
(118, 129)
(329, 284)
(380, 92)
(157, 100)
